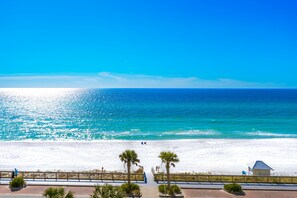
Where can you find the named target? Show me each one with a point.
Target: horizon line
(106, 80)
(221, 88)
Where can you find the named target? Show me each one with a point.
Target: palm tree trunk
(168, 174)
(129, 167)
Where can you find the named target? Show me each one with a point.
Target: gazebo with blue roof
(261, 169)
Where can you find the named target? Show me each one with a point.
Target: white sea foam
(201, 155)
(192, 132)
(268, 134)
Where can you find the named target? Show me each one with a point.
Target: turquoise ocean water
(147, 114)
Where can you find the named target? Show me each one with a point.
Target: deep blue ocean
(147, 114)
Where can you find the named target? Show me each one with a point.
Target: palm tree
(57, 193)
(107, 191)
(169, 159)
(129, 157)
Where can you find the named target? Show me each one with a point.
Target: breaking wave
(269, 134)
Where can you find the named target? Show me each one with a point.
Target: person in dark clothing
(12, 174)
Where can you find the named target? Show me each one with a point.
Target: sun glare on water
(38, 92)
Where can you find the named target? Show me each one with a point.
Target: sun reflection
(38, 92)
(37, 112)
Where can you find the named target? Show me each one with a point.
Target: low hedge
(107, 191)
(174, 189)
(17, 182)
(233, 188)
(132, 189)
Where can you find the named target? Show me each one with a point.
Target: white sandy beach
(204, 155)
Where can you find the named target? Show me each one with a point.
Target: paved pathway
(257, 186)
(79, 192)
(36, 191)
(199, 193)
(149, 192)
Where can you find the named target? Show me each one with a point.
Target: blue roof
(260, 165)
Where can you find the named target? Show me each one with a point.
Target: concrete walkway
(149, 191)
(203, 193)
(79, 192)
(246, 186)
(37, 191)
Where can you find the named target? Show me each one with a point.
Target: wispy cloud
(115, 80)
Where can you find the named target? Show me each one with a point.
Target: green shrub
(233, 188)
(17, 182)
(163, 188)
(59, 192)
(132, 188)
(174, 189)
(107, 191)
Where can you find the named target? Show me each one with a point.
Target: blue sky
(201, 43)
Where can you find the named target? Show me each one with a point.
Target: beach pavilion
(261, 169)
